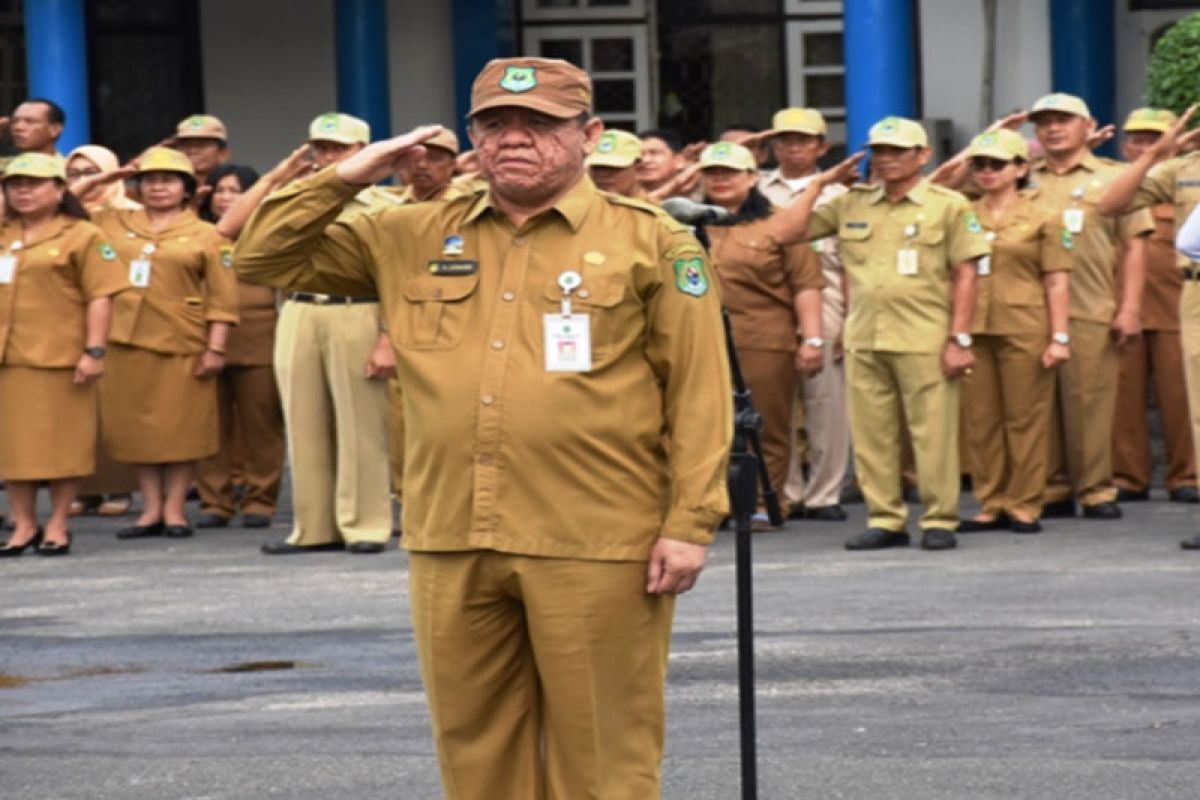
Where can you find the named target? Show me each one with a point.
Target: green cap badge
(689, 276)
(518, 79)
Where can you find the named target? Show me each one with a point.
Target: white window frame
(534, 35)
(810, 7)
(634, 8)
(794, 31)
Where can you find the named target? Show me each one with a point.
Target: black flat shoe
(365, 548)
(833, 513)
(178, 531)
(141, 531)
(12, 551)
(938, 539)
(1183, 494)
(1020, 526)
(1061, 509)
(286, 549)
(54, 548)
(998, 523)
(256, 521)
(211, 520)
(1133, 495)
(1191, 544)
(878, 539)
(1108, 510)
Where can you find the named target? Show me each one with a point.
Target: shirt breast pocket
(600, 297)
(435, 311)
(854, 241)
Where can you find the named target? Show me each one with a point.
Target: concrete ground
(1065, 665)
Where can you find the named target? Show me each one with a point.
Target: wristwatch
(1062, 338)
(95, 352)
(815, 341)
(963, 340)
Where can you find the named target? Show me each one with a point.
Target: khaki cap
(1065, 103)
(339, 128)
(164, 159)
(728, 155)
(548, 85)
(897, 132)
(447, 140)
(616, 149)
(1158, 120)
(201, 126)
(798, 120)
(36, 165)
(1003, 144)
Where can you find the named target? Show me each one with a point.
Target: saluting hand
(88, 369)
(296, 165)
(846, 172)
(84, 185)
(1101, 135)
(1013, 122)
(380, 160)
(1175, 139)
(674, 566)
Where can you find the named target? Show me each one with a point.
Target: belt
(1190, 274)
(329, 299)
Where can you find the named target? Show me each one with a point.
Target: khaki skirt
(154, 410)
(47, 425)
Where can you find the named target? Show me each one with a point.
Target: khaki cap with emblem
(201, 126)
(164, 159)
(897, 132)
(446, 139)
(616, 148)
(548, 85)
(798, 120)
(340, 129)
(1155, 120)
(1064, 103)
(729, 156)
(36, 165)
(1003, 144)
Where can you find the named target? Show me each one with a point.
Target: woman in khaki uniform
(772, 292)
(57, 276)
(1020, 335)
(168, 340)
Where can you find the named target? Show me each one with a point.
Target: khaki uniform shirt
(43, 311)
(759, 283)
(1097, 249)
(888, 310)
(1175, 181)
(192, 282)
(499, 453)
(1027, 243)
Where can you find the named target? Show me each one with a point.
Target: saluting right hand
(296, 165)
(84, 185)
(1175, 139)
(846, 172)
(380, 160)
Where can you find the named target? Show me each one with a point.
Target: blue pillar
(880, 64)
(482, 31)
(362, 63)
(1083, 44)
(56, 58)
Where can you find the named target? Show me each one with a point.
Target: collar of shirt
(572, 206)
(1089, 162)
(916, 194)
(13, 232)
(139, 222)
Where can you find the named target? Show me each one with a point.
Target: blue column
(56, 58)
(880, 64)
(362, 63)
(482, 31)
(1083, 45)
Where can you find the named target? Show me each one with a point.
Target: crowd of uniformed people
(904, 330)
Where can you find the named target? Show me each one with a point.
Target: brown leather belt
(329, 299)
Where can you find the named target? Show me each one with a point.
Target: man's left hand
(674, 566)
(382, 363)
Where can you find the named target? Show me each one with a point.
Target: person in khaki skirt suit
(168, 340)
(773, 295)
(58, 273)
(1020, 333)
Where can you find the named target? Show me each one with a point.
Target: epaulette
(1111, 162)
(672, 224)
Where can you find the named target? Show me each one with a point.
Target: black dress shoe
(1109, 510)
(366, 548)
(12, 551)
(55, 548)
(1020, 526)
(286, 549)
(1191, 544)
(912, 495)
(178, 531)
(798, 511)
(210, 520)
(938, 539)
(1184, 494)
(878, 539)
(256, 521)
(1132, 495)
(141, 531)
(998, 523)
(833, 513)
(850, 495)
(1061, 509)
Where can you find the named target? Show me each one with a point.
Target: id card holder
(8, 268)
(906, 261)
(1073, 220)
(139, 272)
(568, 342)
(985, 266)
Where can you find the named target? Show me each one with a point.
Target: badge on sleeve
(227, 256)
(1068, 241)
(973, 225)
(107, 252)
(689, 276)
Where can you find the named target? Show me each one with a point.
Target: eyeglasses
(72, 174)
(985, 164)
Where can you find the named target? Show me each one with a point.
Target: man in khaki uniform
(1071, 180)
(909, 249)
(613, 165)
(566, 395)
(1158, 351)
(1159, 176)
(204, 140)
(798, 142)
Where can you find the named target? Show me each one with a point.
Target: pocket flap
(440, 288)
(854, 231)
(604, 291)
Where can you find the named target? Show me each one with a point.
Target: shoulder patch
(1068, 241)
(689, 276)
(972, 222)
(227, 256)
(107, 252)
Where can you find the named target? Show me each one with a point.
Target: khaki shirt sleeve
(965, 237)
(293, 241)
(825, 218)
(803, 267)
(220, 281)
(685, 345)
(1135, 223)
(1159, 185)
(101, 273)
(1055, 245)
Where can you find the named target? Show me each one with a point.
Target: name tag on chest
(139, 272)
(453, 267)
(567, 342)
(8, 268)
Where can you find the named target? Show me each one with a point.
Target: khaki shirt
(1175, 181)
(1097, 249)
(890, 311)
(192, 282)
(759, 282)
(499, 453)
(43, 311)
(1027, 243)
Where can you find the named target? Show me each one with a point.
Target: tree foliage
(1175, 67)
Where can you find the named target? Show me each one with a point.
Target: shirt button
(509, 297)
(584, 293)
(485, 460)
(519, 241)
(488, 399)
(497, 345)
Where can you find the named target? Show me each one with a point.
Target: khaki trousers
(1159, 353)
(1007, 400)
(544, 676)
(877, 382)
(1189, 320)
(1080, 457)
(336, 423)
(822, 399)
(252, 445)
(770, 376)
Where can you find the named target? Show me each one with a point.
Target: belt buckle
(320, 299)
